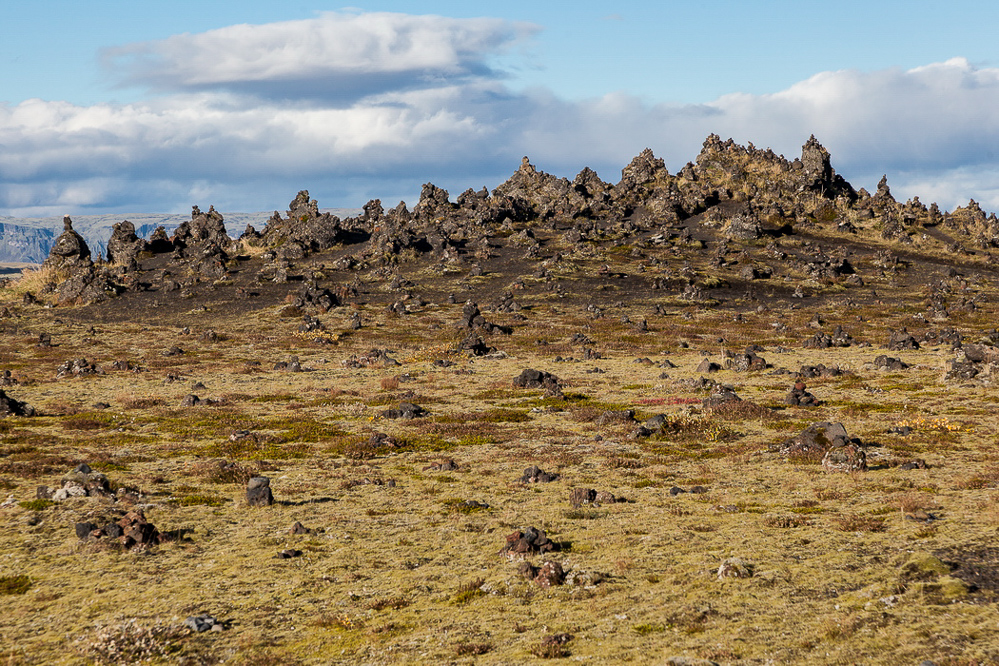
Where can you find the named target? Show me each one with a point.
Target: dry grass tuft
(856, 523)
(130, 642)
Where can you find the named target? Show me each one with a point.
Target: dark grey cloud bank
(355, 106)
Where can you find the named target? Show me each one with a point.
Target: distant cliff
(29, 239)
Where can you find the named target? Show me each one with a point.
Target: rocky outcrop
(124, 246)
(70, 251)
(304, 229)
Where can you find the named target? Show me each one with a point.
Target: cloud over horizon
(337, 56)
(356, 106)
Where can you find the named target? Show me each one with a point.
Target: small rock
(735, 567)
(299, 528)
(190, 400)
(849, 458)
(83, 530)
(580, 496)
(535, 474)
(529, 541)
(202, 623)
(550, 574)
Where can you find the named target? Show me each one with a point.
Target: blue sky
(142, 107)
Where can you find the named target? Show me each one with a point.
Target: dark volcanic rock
(88, 284)
(531, 378)
(12, 407)
(814, 440)
(890, 363)
(719, 396)
(124, 246)
(580, 496)
(798, 396)
(70, 251)
(535, 474)
(748, 362)
(529, 541)
(405, 410)
(901, 341)
(258, 491)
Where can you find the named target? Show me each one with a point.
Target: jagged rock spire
(70, 250)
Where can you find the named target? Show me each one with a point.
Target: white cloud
(337, 54)
(932, 127)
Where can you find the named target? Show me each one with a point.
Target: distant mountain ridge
(29, 239)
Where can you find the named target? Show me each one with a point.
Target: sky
(124, 106)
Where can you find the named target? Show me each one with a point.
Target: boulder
(12, 407)
(901, 341)
(258, 491)
(535, 474)
(581, 496)
(815, 440)
(529, 541)
(531, 379)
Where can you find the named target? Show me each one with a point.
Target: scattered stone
(550, 574)
(381, 439)
(137, 531)
(83, 530)
(735, 567)
(901, 341)
(848, 458)
(818, 341)
(529, 541)
(531, 379)
(448, 465)
(748, 362)
(917, 463)
(299, 528)
(889, 363)
(798, 396)
(581, 496)
(80, 366)
(405, 410)
(190, 400)
(708, 366)
(819, 371)
(375, 358)
(535, 474)
(201, 623)
(720, 395)
(258, 491)
(815, 440)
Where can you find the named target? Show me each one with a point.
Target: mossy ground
(400, 574)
